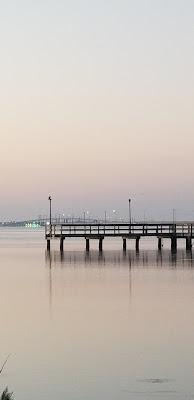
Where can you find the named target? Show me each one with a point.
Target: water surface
(95, 326)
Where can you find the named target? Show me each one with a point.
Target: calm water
(95, 327)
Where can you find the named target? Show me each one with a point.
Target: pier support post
(48, 245)
(124, 244)
(61, 244)
(100, 244)
(159, 243)
(173, 243)
(87, 244)
(137, 244)
(188, 243)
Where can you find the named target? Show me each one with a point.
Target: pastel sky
(96, 106)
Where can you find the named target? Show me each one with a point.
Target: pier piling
(173, 243)
(159, 243)
(188, 243)
(100, 244)
(61, 243)
(124, 244)
(87, 244)
(137, 244)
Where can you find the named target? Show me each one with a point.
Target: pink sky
(97, 106)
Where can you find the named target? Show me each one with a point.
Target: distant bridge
(34, 223)
(41, 222)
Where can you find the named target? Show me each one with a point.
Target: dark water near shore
(95, 326)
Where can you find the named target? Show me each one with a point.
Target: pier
(125, 231)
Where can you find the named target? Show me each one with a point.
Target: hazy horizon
(96, 107)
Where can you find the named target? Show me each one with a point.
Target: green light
(33, 225)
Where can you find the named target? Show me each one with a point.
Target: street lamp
(87, 215)
(130, 211)
(114, 213)
(173, 215)
(50, 215)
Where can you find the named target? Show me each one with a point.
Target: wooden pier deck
(135, 231)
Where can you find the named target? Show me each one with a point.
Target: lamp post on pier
(50, 212)
(173, 215)
(130, 211)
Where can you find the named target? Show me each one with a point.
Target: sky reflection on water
(96, 326)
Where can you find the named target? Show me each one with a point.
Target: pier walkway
(125, 231)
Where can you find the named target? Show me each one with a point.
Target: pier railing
(180, 230)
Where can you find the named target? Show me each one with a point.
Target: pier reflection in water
(144, 258)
